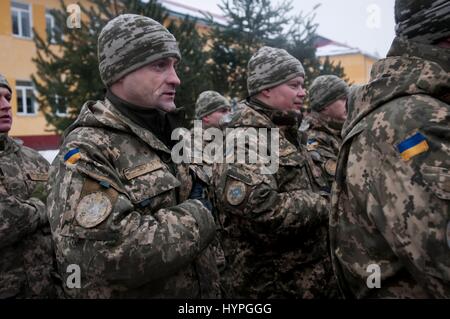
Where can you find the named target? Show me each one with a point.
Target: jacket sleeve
(319, 142)
(19, 218)
(115, 236)
(322, 150)
(257, 199)
(21, 214)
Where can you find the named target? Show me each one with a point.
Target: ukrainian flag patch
(72, 156)
(412, 146)
(311, 144)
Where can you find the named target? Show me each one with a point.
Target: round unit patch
(236, 192)
(93, 209)
(330, 167)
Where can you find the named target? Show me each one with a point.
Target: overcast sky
(364, 24)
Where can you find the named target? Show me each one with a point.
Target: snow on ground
(49, 155)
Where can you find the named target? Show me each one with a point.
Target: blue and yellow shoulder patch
(412, 146)
(312, 144)
(72, 156)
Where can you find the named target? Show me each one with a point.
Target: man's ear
(116, 87)
(266, 93)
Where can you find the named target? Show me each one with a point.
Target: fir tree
(300, 42)
(250, 25)
(253, 24)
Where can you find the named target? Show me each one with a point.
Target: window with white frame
(26, 102)
(60, 104)
(21, 19)
(53, 32)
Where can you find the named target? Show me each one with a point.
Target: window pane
(26, 27)
(29, 105)
(61, 107)
(19, 5)
(30, 102)
(57, 33)
(24, 83)
(48, 27)
(15, 22)
(54, 102)
(60, 104)
(19, 101)
(58, 37)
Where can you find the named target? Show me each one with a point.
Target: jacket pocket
(438, 179)
(146, 184)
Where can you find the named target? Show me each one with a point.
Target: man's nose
(302, 92)
(173, 77)
(5, 105)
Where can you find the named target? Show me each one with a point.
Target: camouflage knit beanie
(4, 83)
(269, 67)
(209, 102)
(424, 21)
(325, 90)
(131, 41)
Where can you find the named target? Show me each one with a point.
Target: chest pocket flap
(149, 180)
(438, 178)
(38, 176)
(292, 158)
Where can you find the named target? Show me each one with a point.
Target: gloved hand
(39, 200)
(199, 192)
(40, 193)
(41, 210)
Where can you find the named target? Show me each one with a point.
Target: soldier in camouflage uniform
(211, 108)
(391, 209)
(26, 253)
(327, 100)
(274, 225)
(120, 208)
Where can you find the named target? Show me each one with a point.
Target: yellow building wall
(356, 66)
(16, 61)
(5, 21)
